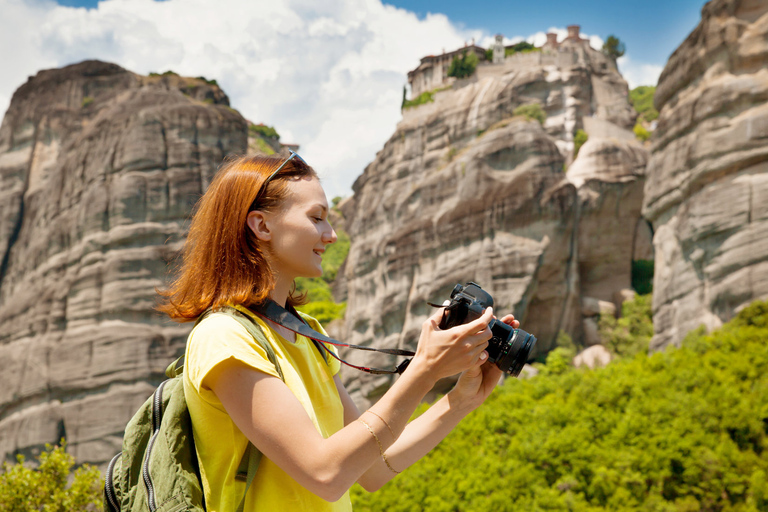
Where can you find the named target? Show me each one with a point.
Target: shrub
(641, 133)
(578, 140)
(421, 99)
(630, 334)
(641, 99)
(86, 101)
(46, 487)
(209, 82)
(264, 131)
(683, 429)
(532, 111)
(464, 66)
(263, 147)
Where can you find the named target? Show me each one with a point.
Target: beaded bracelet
(381, 448)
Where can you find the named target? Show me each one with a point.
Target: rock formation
(99, 169)
(465, 190)
(707, 188)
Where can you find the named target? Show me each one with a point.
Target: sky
(327, 74)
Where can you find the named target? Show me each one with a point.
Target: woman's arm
(273, 419)
(425, 432)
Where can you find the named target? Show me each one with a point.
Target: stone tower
(498, 49)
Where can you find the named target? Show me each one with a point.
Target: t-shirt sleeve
(221, 339)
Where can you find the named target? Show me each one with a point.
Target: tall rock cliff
(99, 169)
(707, 188)
(466, 190)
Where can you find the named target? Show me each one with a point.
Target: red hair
(223, 261)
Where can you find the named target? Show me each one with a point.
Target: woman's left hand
(475, 384)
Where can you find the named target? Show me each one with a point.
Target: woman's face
(297, 233)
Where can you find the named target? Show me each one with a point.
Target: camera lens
(509, 348)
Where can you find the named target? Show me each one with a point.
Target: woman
(262, 223)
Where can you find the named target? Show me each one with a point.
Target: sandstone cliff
(465, 190)
(707, 189)
(99, 169)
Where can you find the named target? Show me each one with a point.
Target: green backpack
(157, 469)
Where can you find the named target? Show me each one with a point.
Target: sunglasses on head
(279, 168)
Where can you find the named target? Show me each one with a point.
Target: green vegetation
(52, 486)
(86, 101)
(532, 111)
(641, 99)
(166, 73)
(613, 47)
(641, 133)
(521, 47)
(578, 140)
(421, 99)
(642, 276)
(264, 131)
(681, 430)
(318, 289)
(209, 82)
(263, 147)
(464, 66)
(629, 335)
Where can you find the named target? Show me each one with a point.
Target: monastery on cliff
(432, 72)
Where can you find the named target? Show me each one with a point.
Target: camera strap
(291, 320)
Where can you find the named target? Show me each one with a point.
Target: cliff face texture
(707, 188)
(465, 190)
(99, 168)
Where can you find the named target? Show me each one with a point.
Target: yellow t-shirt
(220, 444)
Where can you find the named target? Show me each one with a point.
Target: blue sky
(327, 74)
(651, 29)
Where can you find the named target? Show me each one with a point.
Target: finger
(510, 320)
(480, 324)
(436, 317)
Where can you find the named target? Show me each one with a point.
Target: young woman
(262, 223)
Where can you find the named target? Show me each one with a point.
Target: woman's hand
(476, 383)
(442, 353)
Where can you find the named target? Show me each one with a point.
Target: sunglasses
(279, 168)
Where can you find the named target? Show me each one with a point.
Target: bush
(641, 133)
(421, 99)
(683, 429)
(86, 101)
(630, 334)
(578, 140)
(464, 66)
(45, 488)
(264, 131)
(209, 82)
(532, 111)
(641, 99)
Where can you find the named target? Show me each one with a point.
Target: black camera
(508, 349)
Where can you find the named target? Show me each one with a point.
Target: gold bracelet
(394, 437)
(381, 448)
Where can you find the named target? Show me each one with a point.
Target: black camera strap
(292, 321)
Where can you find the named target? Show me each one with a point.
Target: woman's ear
(257, 223)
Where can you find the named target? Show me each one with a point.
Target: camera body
(508, 348)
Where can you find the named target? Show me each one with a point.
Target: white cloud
(638, 73)
(327, 75)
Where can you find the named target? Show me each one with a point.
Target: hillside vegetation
(680, 430)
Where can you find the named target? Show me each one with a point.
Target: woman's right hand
(442, 353)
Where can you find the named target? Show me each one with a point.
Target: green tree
(630, 334)
(46, 488)
(464, 66)
(641, 133)
(613, 47)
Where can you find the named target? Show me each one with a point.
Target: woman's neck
(281, 290)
